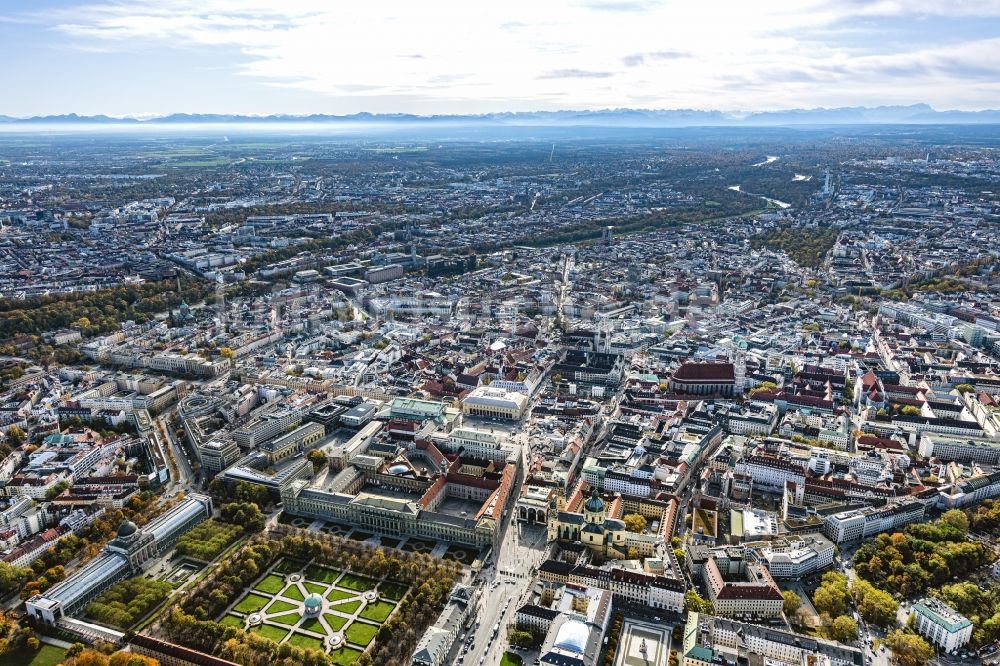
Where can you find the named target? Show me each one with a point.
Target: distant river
(776, 202)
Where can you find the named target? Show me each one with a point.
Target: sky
(154, 57)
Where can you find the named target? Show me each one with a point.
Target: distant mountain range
(854, 115)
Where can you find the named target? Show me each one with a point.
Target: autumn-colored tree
(317, 458)
(16, 436)
(957, 519)
(792, 602)
(123, 658)
(89, 658)
(874, 605)
(908, 649)
(634, 522)
(832, 594)
(844, 629)
(12, 577)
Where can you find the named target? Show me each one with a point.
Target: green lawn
(48, 655)
(393, 591)
(344, 656)
(232, 621)
(378, 611)
(510, 659)
(293, 592)
(271, 585)
(346, 607)
(360, 633)
(274, 595)
(279, 606)
(321, 574)
(336, 622)
(313, 624)
(303, 641)
(336, 595)
(288, 618)
(271, 632)
(357, 583)
(288, 566)
(251, 603)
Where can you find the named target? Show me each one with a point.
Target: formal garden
(461, 554)
(317, 607)
(314, 599)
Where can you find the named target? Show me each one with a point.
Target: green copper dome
(313, 603)
(595, 504)
(127, 529)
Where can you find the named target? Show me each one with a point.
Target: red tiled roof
(709, 372)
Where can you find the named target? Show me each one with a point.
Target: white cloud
(522, 54)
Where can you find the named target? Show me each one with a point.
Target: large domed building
(132, 543)
(126, 556)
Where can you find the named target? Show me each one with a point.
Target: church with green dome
(587, 522)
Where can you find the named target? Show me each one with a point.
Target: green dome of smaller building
(313, 604)
(595, 504)
(127, 529)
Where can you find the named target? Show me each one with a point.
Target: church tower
(553, 522)
(556, 505)
(739, 358)
(602, 338)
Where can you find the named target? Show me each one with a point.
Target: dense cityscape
(552, 396)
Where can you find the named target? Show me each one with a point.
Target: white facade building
(941, 625)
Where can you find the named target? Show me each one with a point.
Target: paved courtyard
(643, 644)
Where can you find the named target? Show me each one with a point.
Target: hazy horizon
(299, 57)
(734, 116)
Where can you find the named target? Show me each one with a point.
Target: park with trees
(206, 540)
(805, 246)
(127, 602)
(832, 600)
(196, 620)
(923, 556)
(985, 517)
(96, 312)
